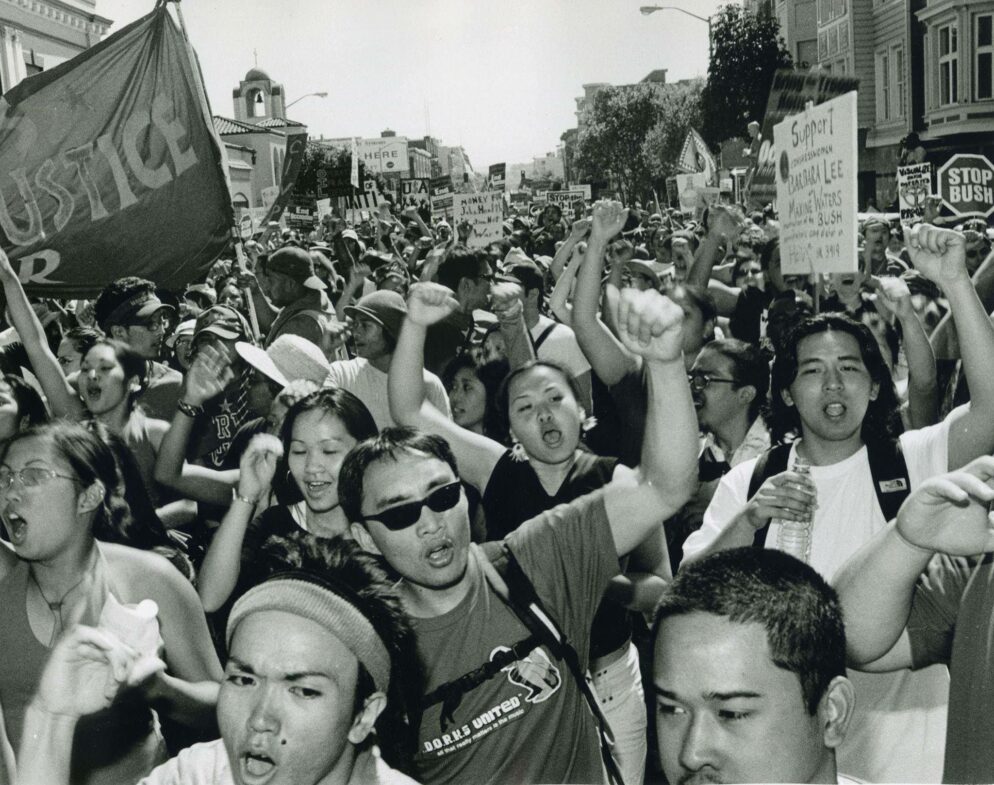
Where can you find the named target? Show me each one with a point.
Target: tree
(746, 51)
(612, 140)
(680, 110)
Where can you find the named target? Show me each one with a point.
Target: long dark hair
(340, 403)
(882, 421)
(132, 363)
(491, 375)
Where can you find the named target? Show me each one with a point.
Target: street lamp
(306, 95)
(651, 9)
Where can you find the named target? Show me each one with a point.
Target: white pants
(618, 687)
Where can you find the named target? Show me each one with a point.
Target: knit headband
(303, 597)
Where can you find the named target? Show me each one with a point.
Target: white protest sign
(816, 188)
(414, 191)
(565, 198)
(485, 213)
(914, 185)
(324, 208)
(382, 155)
(269, 195)
(690, 187)
(585, 187)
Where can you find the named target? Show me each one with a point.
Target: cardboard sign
(441, 191)
(485, 213)
(382, 155)
(816, 188)
(565, 198)
(790, 93)
(414, 192)
(585, 187)
(366, 200)
(914, 186)
(690, 191)
(966, 185)
(497, 177)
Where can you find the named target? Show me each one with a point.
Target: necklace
(56, 607)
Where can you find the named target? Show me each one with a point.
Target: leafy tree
(611, 142)
(746, 51)
(680, 110)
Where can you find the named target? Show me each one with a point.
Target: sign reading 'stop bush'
(816, 188)
(966, 185)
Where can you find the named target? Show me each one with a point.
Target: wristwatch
(189, 409)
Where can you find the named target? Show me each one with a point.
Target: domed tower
(258, 98)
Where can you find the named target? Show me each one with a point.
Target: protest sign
(110, 166)
(269, 195)
(790, 93)
(381, 155)
(414, 191)
(497, 177)
(966, 185)
(914, 185)
(485, 213)
(690, 191)
(364, 200)
(816, 188)
(585, 187)
(564, 198)
(441, 192)
(672, 192)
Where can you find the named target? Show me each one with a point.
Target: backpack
(887, 467)
(506, 577)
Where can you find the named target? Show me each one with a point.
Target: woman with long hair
(62, 506)
(302, 466)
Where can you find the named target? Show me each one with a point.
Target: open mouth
(552, 437)
(835, 411)
(256, 767)
(317, 488)
(440, 554)
(16, 526)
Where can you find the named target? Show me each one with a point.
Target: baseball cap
(384, 307)
(524, 272)
(183, 328)
(288, 358)
(222, 321)
(139, 306)
(295, 263)
(647, 269)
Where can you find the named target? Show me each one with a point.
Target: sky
(499, 78)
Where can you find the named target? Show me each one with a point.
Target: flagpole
(209, 120)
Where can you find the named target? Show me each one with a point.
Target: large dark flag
(110, 166)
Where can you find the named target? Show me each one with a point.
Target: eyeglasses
(403, 515)
(30, 477)
(154, 325)
(699, 382)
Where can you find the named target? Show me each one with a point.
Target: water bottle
(794, 537)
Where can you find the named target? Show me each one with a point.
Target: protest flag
(696, 157)
(109, 167)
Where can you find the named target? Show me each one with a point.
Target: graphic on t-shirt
(535, 673)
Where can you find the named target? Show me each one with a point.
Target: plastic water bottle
(794, 537)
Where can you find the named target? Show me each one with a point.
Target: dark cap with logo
(295, 263)
(224, 322)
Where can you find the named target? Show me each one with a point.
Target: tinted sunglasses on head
(400, 517)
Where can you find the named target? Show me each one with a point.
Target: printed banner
(966, 185)
(790, 93)
(441, 192)
(497, 177)
(381, 154)
(110, 166)
(914, 186)
(816, 188)
(414, 192)
(565, 198)
(485, 213)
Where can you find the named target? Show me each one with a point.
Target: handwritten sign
(441, 196)
(816, 188)
(414, 192)
(485, 213)
(565, 198)
(914, 186)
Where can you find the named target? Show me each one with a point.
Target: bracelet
(909, 543)
(189, 409)
(237, 497)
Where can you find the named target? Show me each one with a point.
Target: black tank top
(515, 494)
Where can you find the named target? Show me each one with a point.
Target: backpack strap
(770, 463)
(542, 336)
(891, 482)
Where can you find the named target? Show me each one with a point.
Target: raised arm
(605, 353)
(219, 572)
(947, 514)
(940, 254)
(559, 300)
(265, 313)
(476, 455)
(650, 325)
(205, 379)
(508, 307)
(62, 398)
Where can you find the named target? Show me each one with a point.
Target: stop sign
(966, 185)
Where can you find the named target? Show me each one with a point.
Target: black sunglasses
(403, 515)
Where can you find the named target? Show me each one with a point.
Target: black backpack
(506, 577)
(887, 466)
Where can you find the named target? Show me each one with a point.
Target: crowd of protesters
(379, 503)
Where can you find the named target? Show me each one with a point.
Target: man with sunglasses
(130, 311)
(499, 706)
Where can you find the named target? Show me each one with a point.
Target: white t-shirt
(560, 346)
(369, 385)
(898, 731)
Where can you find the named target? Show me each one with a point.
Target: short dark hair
(882, 421)
(750, 367)
(504, 391)
(387, 445)
(83, 338)
(341, 566)
(29, 402)
(799, 610)
(491, 376)
(334, 401)
(462, 263)
(116, 293)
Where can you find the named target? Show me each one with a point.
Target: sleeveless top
(139, 441)
(515, 494)
(118, 744)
